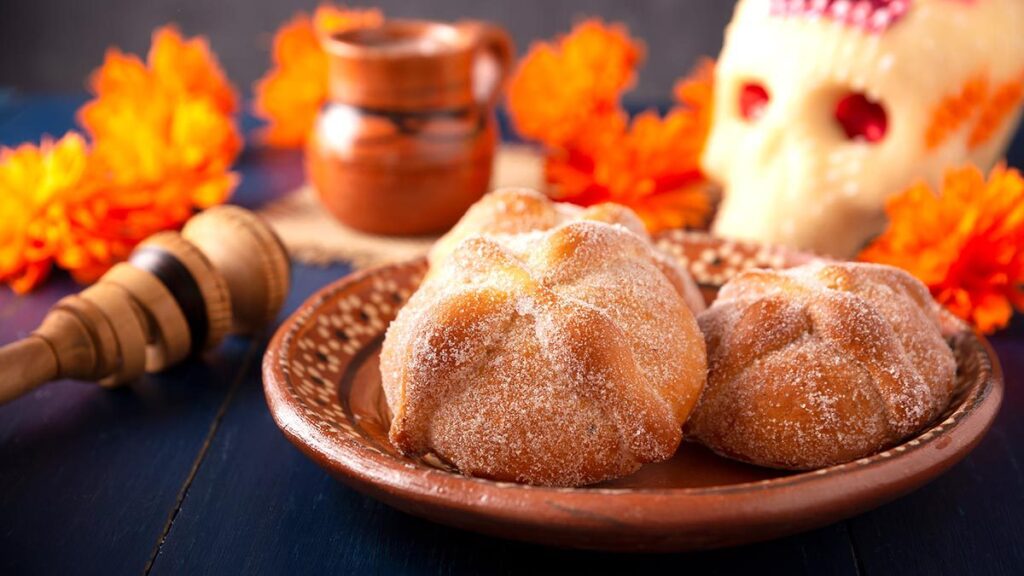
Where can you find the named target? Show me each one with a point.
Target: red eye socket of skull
(862, 118)
(754, 99)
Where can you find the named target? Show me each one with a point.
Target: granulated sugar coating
(514, 211)
(820, 365)
(558, 357)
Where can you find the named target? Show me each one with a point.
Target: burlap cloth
(314, 237)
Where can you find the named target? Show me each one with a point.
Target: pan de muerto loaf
(518, 210)
(820, 365)
(559, 357)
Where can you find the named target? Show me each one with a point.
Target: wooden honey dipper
(178, 294)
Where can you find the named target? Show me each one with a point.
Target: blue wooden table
(185, 472)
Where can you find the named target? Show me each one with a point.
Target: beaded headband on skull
(823, 108)
(869, 15)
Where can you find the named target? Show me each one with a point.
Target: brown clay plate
(323, 387)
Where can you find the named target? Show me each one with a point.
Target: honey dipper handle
(24, 365)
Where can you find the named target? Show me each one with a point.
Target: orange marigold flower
(188, 69)
(45, 195)
(965, 243)
(566, 95)
(291, 94)
(140, 114)
(568, 98)
(164, 140)
(658, 171)
(559, 90)
(652, 168)
(165, 133)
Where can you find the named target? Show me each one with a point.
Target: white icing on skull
(823, 108)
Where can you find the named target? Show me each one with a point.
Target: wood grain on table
(186, 473)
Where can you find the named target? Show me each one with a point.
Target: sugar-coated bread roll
(563, 356)
(820, 365)
(510, 211)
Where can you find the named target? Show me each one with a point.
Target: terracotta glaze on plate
(323, 386)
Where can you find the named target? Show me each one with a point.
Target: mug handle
(494, 40)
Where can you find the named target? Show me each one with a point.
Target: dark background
(50, 46)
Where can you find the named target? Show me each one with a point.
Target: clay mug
(406, 141)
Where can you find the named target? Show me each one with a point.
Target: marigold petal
(29, 277)
(164, 140)
(558, 88)
(966, 242)
(188, 69)
(566, 95)
(36, 185)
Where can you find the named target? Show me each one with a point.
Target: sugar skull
(825, 107)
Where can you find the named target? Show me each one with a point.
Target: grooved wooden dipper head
(168, 340)
(177, 294)
(251, 259)
(184, 269)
